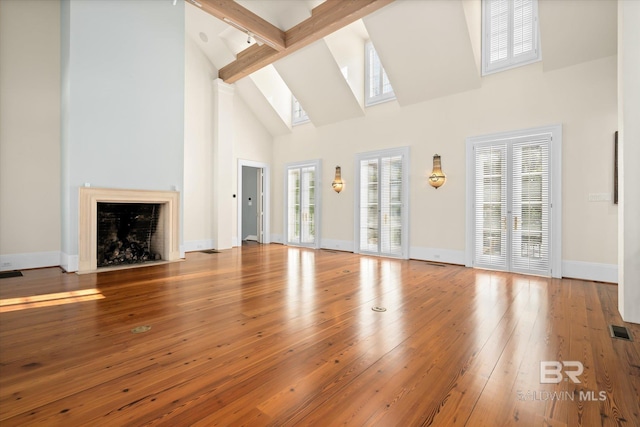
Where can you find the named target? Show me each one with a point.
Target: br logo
(551, 371)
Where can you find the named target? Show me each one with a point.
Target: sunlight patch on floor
(48, 300)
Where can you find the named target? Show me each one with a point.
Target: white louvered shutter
(391, 209)
(369, 205)
(530, 206)
(491, 206)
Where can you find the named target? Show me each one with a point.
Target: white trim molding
(339, 245)
(590, 271)
(449, 256)
(198, 245)
(29, 260)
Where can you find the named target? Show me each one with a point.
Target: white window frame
(555, 179)
(404, 152)
(303, 118)
(317, 163)
(511, 61)
(369, 100)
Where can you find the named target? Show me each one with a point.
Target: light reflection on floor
(301, 270)
(48, 300)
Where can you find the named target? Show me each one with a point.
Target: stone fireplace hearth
(167, 245)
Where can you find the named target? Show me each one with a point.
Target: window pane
(378, 87)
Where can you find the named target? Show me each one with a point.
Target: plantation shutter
(530, 206)
(369, 205)
(523, 27)
(391, 201)
(293, 205)
(491, 206)
(307, 195)
(499, 30)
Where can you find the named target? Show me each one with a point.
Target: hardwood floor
(274, 335)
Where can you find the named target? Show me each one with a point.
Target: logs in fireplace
(127, 233)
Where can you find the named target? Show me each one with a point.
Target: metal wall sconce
(437, 177)
(337, 183)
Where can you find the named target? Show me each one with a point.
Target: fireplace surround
(88, 227)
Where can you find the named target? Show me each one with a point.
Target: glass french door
(382, 203)
(512, 205)
(301, 204)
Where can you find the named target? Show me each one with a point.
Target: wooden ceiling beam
(237, 16)
(325, 19)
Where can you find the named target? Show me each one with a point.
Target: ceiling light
(249, 34)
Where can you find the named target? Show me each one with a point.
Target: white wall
(29, 134)
(582, 98)
(123, 103)
(198, 126)
(251, 141)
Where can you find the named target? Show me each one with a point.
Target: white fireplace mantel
(88, 227)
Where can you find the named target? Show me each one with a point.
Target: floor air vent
(210, 251)
(8, 274)
(620, 332)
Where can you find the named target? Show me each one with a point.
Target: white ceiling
(429, 48)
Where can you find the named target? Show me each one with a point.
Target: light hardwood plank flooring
(276, 335)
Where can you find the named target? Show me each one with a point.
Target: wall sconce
(437, 177)
(337, 183)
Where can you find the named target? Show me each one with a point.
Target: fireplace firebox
(128, 233)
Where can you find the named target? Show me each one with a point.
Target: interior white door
(260, 201)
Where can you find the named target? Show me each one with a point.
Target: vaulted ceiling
(313, 51)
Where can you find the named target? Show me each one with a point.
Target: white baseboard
(70, 263)
(251, 237)
(449, 256)
(29, 260)
(590, 271)
(340, 245)
(276, 238)
(198, 245)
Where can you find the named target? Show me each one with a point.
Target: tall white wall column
(628, 160)
(222, 166)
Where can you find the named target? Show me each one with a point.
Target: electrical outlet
(599, 197)
(6, 264)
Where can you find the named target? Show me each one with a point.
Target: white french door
(382, 203)
(512, 205)
(302, 204)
